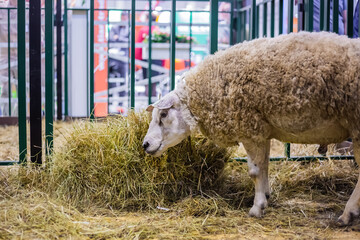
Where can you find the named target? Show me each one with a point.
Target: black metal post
(58, 60)
(35, 80)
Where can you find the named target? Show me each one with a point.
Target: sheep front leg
(352, 208)
(258, 163)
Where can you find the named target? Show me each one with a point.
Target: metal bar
(272, 19)
(350, 18)
(66, 92)
(21, 55)
(91, 68)
(108, 65)
(164, 10)
(290, 16)
(132, 47)
(58, 60)
(322, 14)
(87, 65)
(309, 15)
(326, 15)
(129, 57)
(238, 24)
(336, 16)
(190, 44)
(172, 44)
(9, 61)
(253, 19)
(265, 19)
(149, 58)
(49, 75)
(281, 16)
(231, 40)
(301, 158)
(35, 81)
(214, 12)
(8, 163)
(257, 21)
(287, 150)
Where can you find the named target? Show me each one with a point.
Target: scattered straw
(101, 185)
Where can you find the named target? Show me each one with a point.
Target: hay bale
(103, 164)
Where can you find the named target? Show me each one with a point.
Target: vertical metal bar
(253, 19)
(336, 16)
(58, 60)
(287, 150)
(49, 75)
(281, 16)
(190, 44)
(9, 60)
(35, 81)
(257, 21)
(322, 15)
(290, 16)
(214, 13)
(272, 19)
(108, 65)
(309, 15)
(66, 93)
(21, 56)
(150, 56)
(265, 19)
(350, 18)
(231, 40)
(87, 62)
(327, 15)
(132, 47)
(91, 87)
(238, 24)
(172, 44)
(129, 57)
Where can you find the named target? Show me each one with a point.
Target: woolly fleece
(292, 83)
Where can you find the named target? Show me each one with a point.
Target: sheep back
(293, 81)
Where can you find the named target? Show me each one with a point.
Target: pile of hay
(100, 170)
(103, 164)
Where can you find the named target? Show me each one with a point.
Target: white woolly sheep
(298, 88)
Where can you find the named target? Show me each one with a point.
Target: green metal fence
(246, 21)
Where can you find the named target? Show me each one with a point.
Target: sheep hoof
(341, 223)
(256, 212)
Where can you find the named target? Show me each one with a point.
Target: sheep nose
(145, 145)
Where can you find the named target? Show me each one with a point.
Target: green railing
(249, 20)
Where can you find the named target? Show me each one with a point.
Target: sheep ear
(166, 102)
(150, 108)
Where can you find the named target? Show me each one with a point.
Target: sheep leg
(352, 206)
(258, 163)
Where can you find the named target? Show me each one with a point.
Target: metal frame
(241, 20)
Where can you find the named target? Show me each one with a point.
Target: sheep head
(167, 127)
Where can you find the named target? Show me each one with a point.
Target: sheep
(299, 88)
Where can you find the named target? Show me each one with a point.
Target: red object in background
(100, 59)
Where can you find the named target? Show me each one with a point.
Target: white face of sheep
(167, 127)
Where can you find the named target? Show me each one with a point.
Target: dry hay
(101, 173)
(9, 143)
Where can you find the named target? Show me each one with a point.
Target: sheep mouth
(154, 151)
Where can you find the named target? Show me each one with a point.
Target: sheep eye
(163, 115)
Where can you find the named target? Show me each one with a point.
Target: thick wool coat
(290, 84)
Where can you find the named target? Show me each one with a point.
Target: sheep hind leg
(352, 206)
(258, 163)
